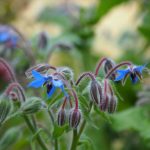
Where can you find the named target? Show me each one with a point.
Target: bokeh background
(78, 33)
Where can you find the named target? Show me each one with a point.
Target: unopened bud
(66, 72)
(42, 68)
(74, 118)
(96, 91)
(108, 95)
(32, 105)
(112, 104)
(13, 96)
(108, 65)
(104, 103)
(5, 107)
(42, 41)
(61, 117)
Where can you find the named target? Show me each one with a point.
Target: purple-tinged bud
(109, 100)
(108, 65)
(13, 96)
(42, 40)
(74, 118)
(42, 68)
(95, 91)
(112, 104)
(105, 102)
(61, 117)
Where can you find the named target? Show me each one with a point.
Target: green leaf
(144, 27)
(134, 118)
(9, 138)
(104, 115)
(86, 143)
(58, 131)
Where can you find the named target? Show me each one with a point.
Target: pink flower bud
(61, 117)
(96, 91)
(112, 104)
(74, 118)
(108, 65)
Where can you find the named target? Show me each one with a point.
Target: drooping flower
(51, 82)
(8, 36)
(135, 73)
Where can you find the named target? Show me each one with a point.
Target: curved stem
(26, 118)
(76, 98)
(8, 68)
(25, 45)
(89, 74)
(116, 67)
(99, 65)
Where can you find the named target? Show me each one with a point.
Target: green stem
(53, 122)
(74, 140)
(33, 130)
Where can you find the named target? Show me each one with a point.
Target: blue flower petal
(36, 83)
(63, 90)
(121, 74)
(4, 36)
(57, 83)
(37, 75)
(51, 92)
(139, 68)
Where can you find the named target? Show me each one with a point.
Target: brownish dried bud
(108, 65)
(96, 91)
(74, 118)
(61, 117)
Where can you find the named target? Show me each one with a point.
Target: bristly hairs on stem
(102, 60)
(85, 74)
(116, 67)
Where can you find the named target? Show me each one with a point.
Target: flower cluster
(58, 79)
(100, 91)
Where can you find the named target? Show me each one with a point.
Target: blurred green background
(84, 31)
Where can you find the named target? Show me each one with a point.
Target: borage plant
(68, 103)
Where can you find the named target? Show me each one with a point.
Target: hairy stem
(76, 135)
(116, 67)
(102, 60)
(33, 130)
(86, 74)
(53, 122)
(22, 98)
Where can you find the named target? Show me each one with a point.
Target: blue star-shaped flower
(135, 73)
(51, 83)
(8, 36)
